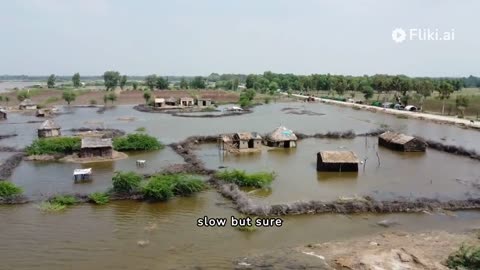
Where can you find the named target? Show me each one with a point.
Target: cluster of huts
(281, 137)
(182, 102)
(338, 161)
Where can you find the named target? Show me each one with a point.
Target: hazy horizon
(188, 38)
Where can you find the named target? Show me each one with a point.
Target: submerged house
(3, 114)
(27, 104)
(186, 101)
(337, 161)
(96, 147)
(171, 101)
(241, 141)
(82, 174)
(401, 142)
(49, 129)
(41, 113)
(281, 137)
(159, 102)
(204, 102)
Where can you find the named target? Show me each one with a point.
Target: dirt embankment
(391, 250)
(452, 149)
(186, 150)
(9, 165)
(181, 112)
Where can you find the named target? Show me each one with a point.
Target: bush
(65, 200)
(136, 141)
(163, 187)
(51, 146)
(126, 182)
(8, 189)
(51, 207)
(99, 198)
(141, 129)
(243, 179)
(467, 257)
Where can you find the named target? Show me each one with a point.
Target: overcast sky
(195, 37)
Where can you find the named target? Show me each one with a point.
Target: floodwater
(99, 237)
(9, 85)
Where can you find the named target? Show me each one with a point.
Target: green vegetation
(76, 80)
(147, 95)
(467, 257)
(112, 97)
(51, 207)
(136, 141)
(51, 146)
(8, 189)
(141, 129)
(69, 96)
(243, 179)
(198, 83)
(65, 200)
(126, 182)
(163, 187)
(123, 81)
(22, 95)
(50, 100)
(246, 98)
(51, 81)
(100, 198)
(111, 79)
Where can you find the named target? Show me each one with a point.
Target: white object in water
(141, 162)
(82, 174)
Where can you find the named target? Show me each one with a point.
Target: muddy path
(9, 165)
(181, 112)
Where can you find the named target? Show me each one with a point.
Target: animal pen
(401, 142)
(337, 161)
(281, 137)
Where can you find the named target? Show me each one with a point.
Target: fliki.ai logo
(400, 35)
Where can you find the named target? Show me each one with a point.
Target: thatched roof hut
(96, 147)
(27, 104)
(337, 161)
(159, 102)
(48, 129)
(281, 137)
(247, 140)
(401, 142)
(171, 101)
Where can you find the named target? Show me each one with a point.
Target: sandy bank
(415, 115)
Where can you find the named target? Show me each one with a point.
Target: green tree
(135, 85)
(461, 103)
(147, 95)
(339, 85)
(22, 95)
(51, 81)
(250, 81)
(123, 81)
(151, 81)
(111, 79)
(105, 99)
(445, 89)
(198, 83)
(112, 97)
(246, 98)
(161, 83)
(183, 84)
(272, 88)
(367, 92)
(76, 79)
(69, 96)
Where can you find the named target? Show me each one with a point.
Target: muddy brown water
(99, 237)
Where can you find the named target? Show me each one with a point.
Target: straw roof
(397, 138)
(27, 102)
(338, 157)
(245, 136)
(159, 100)
(49, 124)
(171, 99)
(282, 134)
(186, 98)
(94, 142)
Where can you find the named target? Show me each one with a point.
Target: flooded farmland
(87, 236)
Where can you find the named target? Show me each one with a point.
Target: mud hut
(41, 113)
(27, 104)
(171, 101)
(3, 114)
(96, 147)
(281, 137)
(204, 102)
(49, 129)
(159, 102)
(337, 161)
(401, 142)
(186, 101)
(240, 142)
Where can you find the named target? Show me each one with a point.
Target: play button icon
(399, 35)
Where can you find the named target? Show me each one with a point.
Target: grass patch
(8, 189)
(141, 129)
(99, 198)
(51, 100)
(208, 109)
(65, 200)
(401, 116)
(137, 141)
(467, 257)
(164, 187)
(51, 146)
(243, 179)
(126, 182)
(51, 207)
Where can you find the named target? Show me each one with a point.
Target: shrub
(8, 189)
(243, 179)
(126, 182)
(51, 207)
(141, 129)
(65, 200)
(58, 145)
(99, 198)
(163, 187)
(136, 141)
(467, 257)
